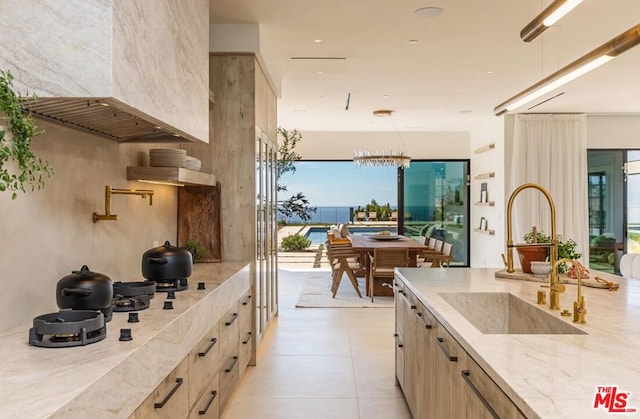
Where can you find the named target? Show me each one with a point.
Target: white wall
(339, 145)
(46, 234)
(613, 131)
(486, 249)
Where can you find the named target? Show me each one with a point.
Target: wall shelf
(485, 148)
(484, 204)
(173, 175)
(485, 176)
(489, 232)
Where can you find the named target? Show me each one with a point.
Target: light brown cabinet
(202, 384)
(204, 389)
(170, 398)
(438, 377)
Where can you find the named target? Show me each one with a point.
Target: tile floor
(321, 363)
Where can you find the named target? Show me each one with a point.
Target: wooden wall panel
(199, 219)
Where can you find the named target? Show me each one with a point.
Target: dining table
(366, 243)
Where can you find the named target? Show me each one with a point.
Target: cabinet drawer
(208, 406)
(229, 373)
(170, 399)
(229, 333)
(484, 396)
(246, 350)
(399, 342)
(204, 362)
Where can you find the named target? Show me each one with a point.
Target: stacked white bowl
(173, 157)
(167, 157)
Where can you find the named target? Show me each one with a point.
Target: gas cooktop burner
(140, 302)
(134, 289)
(179, 284)
(67, 328)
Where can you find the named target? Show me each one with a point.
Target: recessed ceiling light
(412, 41)
(466, 111)
(317, 41)
(489, 72)
(429, 11)
(385, 96)
(319, 72)
(382, 112)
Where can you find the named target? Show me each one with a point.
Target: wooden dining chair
(343, 259)
(447, 254)
(383, 262)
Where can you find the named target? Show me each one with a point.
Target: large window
(338, 188)
(435, 203)
(614, 206)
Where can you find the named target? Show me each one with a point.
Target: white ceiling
(466, 61)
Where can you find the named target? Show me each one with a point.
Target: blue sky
(341, 184)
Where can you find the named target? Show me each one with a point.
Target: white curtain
(551, 150)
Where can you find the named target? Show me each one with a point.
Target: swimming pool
(318, 235)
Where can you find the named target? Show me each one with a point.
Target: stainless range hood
(106, 117)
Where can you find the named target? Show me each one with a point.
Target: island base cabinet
(484, 398)
(438, 377)
(170, 399)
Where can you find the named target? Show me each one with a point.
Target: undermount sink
(504, 313)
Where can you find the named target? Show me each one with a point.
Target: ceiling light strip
(553, 13)
(604, 53)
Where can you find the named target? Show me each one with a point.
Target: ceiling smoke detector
(382, 112)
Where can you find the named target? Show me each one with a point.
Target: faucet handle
(579, 311)
(558, 287)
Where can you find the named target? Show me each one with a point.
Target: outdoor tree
(297, 204)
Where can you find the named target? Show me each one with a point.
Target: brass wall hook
(108, 191)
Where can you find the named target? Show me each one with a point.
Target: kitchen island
(111, 378)
(544, 375)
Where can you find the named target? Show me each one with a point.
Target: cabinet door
(204, 362)
(208, 406)
(423, 368)
(245, 329)
(484, 398)
(229, 366)
(401, 307)
(450, 359)
(170, 399)
(412, 352)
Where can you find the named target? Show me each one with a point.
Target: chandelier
(383, 158)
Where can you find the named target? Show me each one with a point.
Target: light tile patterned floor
(321, 363)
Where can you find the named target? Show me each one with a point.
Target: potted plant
(197, 250)
(529, 254)
(18, 165)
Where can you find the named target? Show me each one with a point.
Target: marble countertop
(110, 378)
(547, 376)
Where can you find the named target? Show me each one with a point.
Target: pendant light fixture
(383, 158)
(549, 16)
(604, 53)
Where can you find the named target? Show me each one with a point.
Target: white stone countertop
(110, 378)
(547, 376)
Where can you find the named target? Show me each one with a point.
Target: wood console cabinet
(438, 377)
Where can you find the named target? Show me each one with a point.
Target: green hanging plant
(27, 170)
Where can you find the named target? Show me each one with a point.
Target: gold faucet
(554, 283)
(108, 191)
(579, 309)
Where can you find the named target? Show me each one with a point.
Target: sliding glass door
(434, 200)
(632, 171)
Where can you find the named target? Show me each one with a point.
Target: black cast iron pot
(166, 263)
(84, 290)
